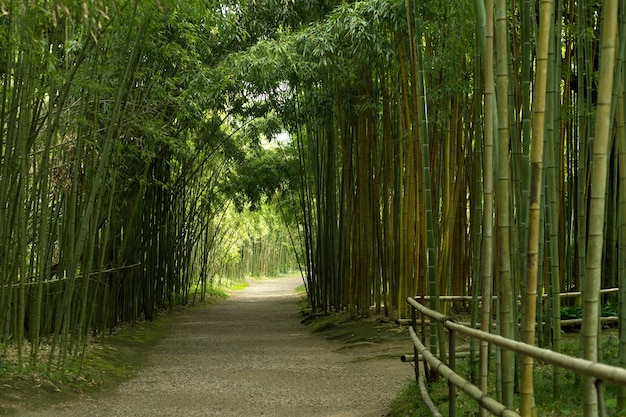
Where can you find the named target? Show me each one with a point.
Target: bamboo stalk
(503, 196)
(539, 100)
(595, 242)
(484, 15)
(621, 147)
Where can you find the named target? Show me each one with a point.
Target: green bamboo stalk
(405, 157)
(585, 120)
(477, 166)
(76, 239)
(8, 175)
(620, 117)
(388, 236)
(503, 195)
(595, 242)
(551, 144)
(530, 296)
(527, 17)
(621, 145)
(22, 156)
(8, 53)
(541, 276)
(84, 316)
(421, 132)
(484, 13)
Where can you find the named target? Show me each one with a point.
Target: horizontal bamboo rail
(599, 371)
(578, 322)
(411, 358)
(421, 381)
(564, 323)
(572, 294)
(77, 277)
(594, 369)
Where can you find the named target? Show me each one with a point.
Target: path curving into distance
(245, 356)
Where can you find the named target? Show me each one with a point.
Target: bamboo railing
(601, 372)
(572, 294)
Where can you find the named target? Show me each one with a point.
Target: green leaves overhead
(351, 35)
(267, 172)
(355, 31)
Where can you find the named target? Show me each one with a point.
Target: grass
(103, 367)
(197, 292)
(237, 286)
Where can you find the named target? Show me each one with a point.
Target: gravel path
(250, 356)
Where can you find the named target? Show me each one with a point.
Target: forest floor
(251, 355)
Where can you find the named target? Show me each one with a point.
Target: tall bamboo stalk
(503, 196)
(551, 148)
(621, 145)
(485, 14)
(536, 160)
(585, 139)
(595, 241)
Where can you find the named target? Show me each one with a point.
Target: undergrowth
(104, 364)
(102, 368)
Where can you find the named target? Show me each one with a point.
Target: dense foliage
(120, 145)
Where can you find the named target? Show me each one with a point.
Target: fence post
(600, 393)
(451, 365)
(427, 373)
(415, 353)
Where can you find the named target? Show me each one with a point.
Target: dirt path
(250, 356)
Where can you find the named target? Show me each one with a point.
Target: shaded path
(250, 356)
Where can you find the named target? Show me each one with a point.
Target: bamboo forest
(151, 150)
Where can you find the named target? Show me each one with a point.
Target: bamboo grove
(436, 148)
(117, 159)
(472, 148)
